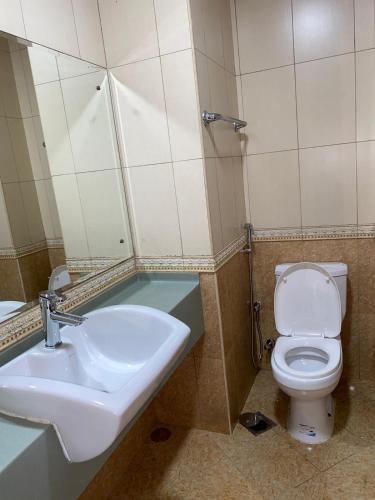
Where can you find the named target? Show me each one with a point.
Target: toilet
(310, 304)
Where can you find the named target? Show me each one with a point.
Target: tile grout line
(169, 132)
(76, 29)
(297, 121)
(355, 117)
(248, 73)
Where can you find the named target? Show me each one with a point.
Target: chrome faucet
(52, 318)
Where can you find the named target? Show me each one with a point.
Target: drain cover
(160, 434)
(256, 423)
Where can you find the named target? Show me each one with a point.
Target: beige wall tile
(90, 122)
(221, 132)
(157, 230)
(55, 128)
(366, 182)
(265, 34)
(203, 87)
(192, 209)
(11, 17)
(6, 240)
(235, 37)
(59, 32)
(32, 211)
(214, 205)
(270, 109)
(227, 199)
(182, 105)
(274, 190)
(105, 214)
(239, 189)
(48, 225)
(17, 214)
(326, 101)
(365, 71)
(328, 185)
(197, 24)
(71, 217)
(141, 112)
(19, 144)
(322, 28)
(364, 24)
(232, 110)
(214, 46)
(19, 72)
(8, 87)
(43, 65)
(32, 146)
(89, 31)
(228, 35)
(45, 172)
(172, 20)
(69, 66)
(8, 170)
(129, 30)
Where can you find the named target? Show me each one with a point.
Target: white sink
(91, 386)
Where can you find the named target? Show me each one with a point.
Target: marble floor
(196, 464)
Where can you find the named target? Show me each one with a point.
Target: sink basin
(91, 386)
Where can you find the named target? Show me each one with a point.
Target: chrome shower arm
(208, 117)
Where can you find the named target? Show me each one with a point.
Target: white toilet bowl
(307, 359)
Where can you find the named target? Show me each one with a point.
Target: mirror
(62, 197)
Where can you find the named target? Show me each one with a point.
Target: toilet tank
(338, 271)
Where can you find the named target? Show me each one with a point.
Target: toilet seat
(330, 348)
(307, 302)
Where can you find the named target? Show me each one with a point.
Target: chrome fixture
(52, 318)
(208, 117)
(255, 306)
(249, 238)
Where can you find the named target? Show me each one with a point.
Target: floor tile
(351, 479)
(342, 445)
(266, 461)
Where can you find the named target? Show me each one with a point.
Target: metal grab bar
(208, 117)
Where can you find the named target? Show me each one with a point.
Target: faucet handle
(51, 297)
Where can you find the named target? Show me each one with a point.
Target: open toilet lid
(307, 302)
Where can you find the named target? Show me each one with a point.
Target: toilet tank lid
(334, 268)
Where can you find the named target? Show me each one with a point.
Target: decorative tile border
(277, 234)
(17, 252)
(367, 231)
(93, 264)
(330, 232)
(190, 264)
(315, 233)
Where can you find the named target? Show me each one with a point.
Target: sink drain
(160, 434)
(256, 423)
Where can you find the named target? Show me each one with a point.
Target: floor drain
(256, 423)
(160, 434)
